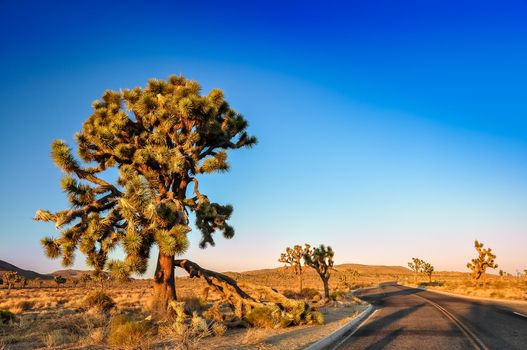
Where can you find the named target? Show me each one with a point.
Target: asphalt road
(410, 318)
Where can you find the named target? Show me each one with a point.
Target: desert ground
(59, 317)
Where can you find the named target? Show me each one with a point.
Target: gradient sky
(387, 130)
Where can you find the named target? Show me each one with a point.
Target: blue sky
(386, 130)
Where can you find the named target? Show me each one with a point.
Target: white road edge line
(519, 314)
(330, 339)
(354, 331)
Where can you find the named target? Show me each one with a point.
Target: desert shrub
(193, 304)
(500, 285)
(315, 317)
(56, 337)
(497, 295)
(218, 328)
(179, 309)
(431, 284)
(25, 305)
(306, 293)
(199, 324)
(99, 300)
(128, 334)
(6, 316)
(337, 294)
(214, 313)
(264, 317)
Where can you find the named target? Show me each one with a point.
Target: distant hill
(5, 267)
(69, 273)
(362, 269)
(375, 269)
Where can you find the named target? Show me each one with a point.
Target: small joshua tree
(321, 259)
(484, 260)
(11, 278)
(416, 265)
(59, 280)
(428, 270)
(161, 139)
(39, 282)
(294, 258)
(85, 278)
(23, 282)
(346, 277)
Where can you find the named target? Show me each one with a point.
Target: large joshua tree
(161, 139)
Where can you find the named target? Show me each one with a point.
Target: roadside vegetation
(477, 283)
(44, 315)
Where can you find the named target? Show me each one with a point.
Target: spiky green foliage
(294, 257)
(162, 139)
(321, 259)
(484, 260)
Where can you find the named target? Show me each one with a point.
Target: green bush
(6, 316)
(99, 300)
(270, 316)
(306, 294)
(125, 333)
(193, 304)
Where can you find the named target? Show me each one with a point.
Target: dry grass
(506, 287)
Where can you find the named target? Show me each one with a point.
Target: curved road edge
(343, 331)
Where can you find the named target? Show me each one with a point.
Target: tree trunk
(326, 288)
(300, 280)
(164, 283)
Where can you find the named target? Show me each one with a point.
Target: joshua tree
(294, 258)
(75, 281)
(161, 139)
(11, 278)
(85, 278)
(59, 280)
(23, 282)
(346, 277)
(321, 259)
(484, 260)
(39, 282)
(416, 265)
(428, 270)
